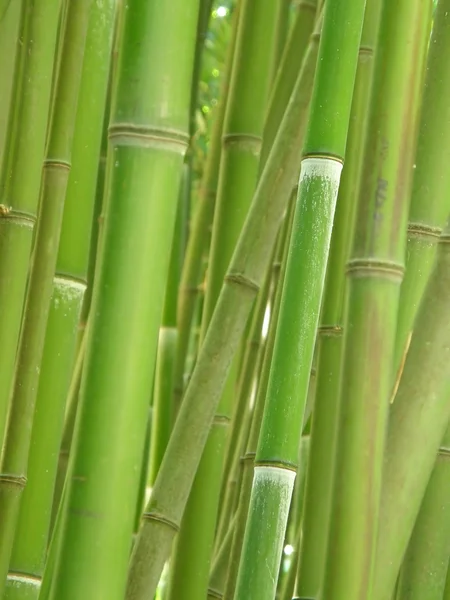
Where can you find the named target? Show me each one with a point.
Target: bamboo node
(444, 452)
(154, 516)
(17, 480)
(366, 51)
(221, 420)
(214, 593)
(16, 217)
(53, 163)
(330, 330)
(375, 268)
(248, 456)
(241, 279)
(423, 231)
(25, 578)
(278, 464)
(245, 140)
(444, 238)
(129, 134)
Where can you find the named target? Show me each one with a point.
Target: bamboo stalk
(30, 545)
(148, 140)
(430, 202)
(53, 189)
(241, 140)
(22, 182)
(424, 568)
(374, 275)
(319, 486)
(323, 154)
(247, 460)
(245, 275)
(281, 34)
(201, 222)
(417, 423)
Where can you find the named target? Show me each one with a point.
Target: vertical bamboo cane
(206, 385)
(375, 272)
(23, 176)
(148, 140)
(241, 139)
(323, 154)
(53, 189)
(30, 545)
(319, 484)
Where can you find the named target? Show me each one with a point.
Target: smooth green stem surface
(277, 453)
(430, 195)
(244, 277)
(148, 140)
(424, 568)
(53, 190)
(375, 272)
(319, 486)
(22, 178)
(30, 545)
(417, 423)
(241, 140)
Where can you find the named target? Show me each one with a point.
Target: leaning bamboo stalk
(201, 223)
(22, 183)
(148, 140)
(244, 277)
(247, 459)
(291, 62)
(424, 568)
(53, 189)
(319, 485)
(241, 141)
(30, 544)
(430, 200)
(418, 420)
(323, 155)
(374, 272)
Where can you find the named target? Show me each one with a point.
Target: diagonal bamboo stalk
(417, 423)
(241, 140)
(323, 154)
(166, 505)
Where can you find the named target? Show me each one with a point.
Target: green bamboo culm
(53, 189)
(200, 227)
(242, 282)
(430, 198)
(148, 140)
(418, 420)
(323, 155)
(425, 565)
(10, 23)
(319, 484)
(245, 475)
(22, 178)
(30, 545)
(241, 142)
(375, 272)
(291, 62)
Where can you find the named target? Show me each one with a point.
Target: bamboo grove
(225, 299)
